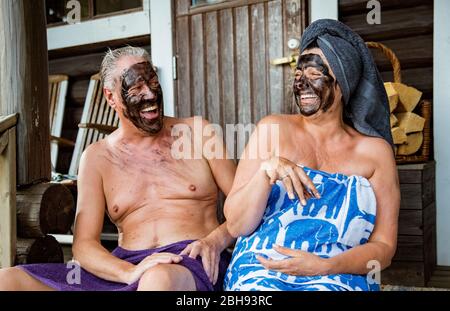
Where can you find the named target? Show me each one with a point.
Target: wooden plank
(8, 200)
(419, 78)
(99, 47)
(410, 222)
(347, 7)
(243, 69)
(222, 5)
(198, 66)
(275, 50)
(409, 176)
(399, 23)
(409, 248)
(82, 133)
(411, 197)
(412, 52)
(24, 84)
(7, 122)
(259, 62)
(77, 66)
(430, 250)
(213, 93)
(76, 93)
(404, 273)
(184, 68)
(182, 6)
(292, 19)
(228, 68)
(429, 216)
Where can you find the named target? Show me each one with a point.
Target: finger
(298, 186)
(272, 264)
(307, 195)
(187, 250)
(273, 178)
(307, 182)
(195, 251)
(289, 188)
(216, 269)
(206, 265)
(286, 251)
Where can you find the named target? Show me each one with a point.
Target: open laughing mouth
(308, 97)
(150, 113)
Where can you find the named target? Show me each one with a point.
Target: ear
(109, 97)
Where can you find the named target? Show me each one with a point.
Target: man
(164, 208)
(343, 226)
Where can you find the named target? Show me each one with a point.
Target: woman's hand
(300, 263)
(293, 177)
(210, 254)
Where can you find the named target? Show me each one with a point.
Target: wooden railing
(7, 190)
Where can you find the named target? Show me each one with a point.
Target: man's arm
(223, 170)
(87, 249)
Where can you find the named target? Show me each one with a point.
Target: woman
(319, 210)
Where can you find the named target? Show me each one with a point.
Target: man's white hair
(109, 63)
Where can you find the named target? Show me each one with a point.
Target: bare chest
(333, 159)
(151, 179)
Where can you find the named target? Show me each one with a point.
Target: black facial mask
(137, 82)
(317, 86)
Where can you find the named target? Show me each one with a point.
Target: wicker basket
(423, 109)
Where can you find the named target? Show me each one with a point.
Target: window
(90, 9)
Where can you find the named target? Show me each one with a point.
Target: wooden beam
(8, 200)
(7, 122)
(24, 84)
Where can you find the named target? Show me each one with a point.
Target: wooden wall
(407, 28)
(224, 53)
(80, 63)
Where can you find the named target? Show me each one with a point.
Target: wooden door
(223, 58)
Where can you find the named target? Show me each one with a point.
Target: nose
(299, 82)
(148, 93)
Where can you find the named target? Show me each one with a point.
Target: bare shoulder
(280, 119)
(378, 150)
(92, 154)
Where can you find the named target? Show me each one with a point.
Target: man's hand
(293, 177)
(210, 254)
(138, 270)
(300, 264)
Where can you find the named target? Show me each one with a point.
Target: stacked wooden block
(42, 209)
(415, 259)
(407, 126)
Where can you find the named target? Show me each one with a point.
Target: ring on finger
(284, 176)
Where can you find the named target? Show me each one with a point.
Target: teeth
(151, 108)
(308, 96)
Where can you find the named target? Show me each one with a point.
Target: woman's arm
(383, 240)
(259, 168)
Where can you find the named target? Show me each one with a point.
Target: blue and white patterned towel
(343, 218)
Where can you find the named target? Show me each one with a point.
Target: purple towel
(55, 275)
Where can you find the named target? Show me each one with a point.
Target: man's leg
(14, 279)
(167, 277)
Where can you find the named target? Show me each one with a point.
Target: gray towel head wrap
(366, 104)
